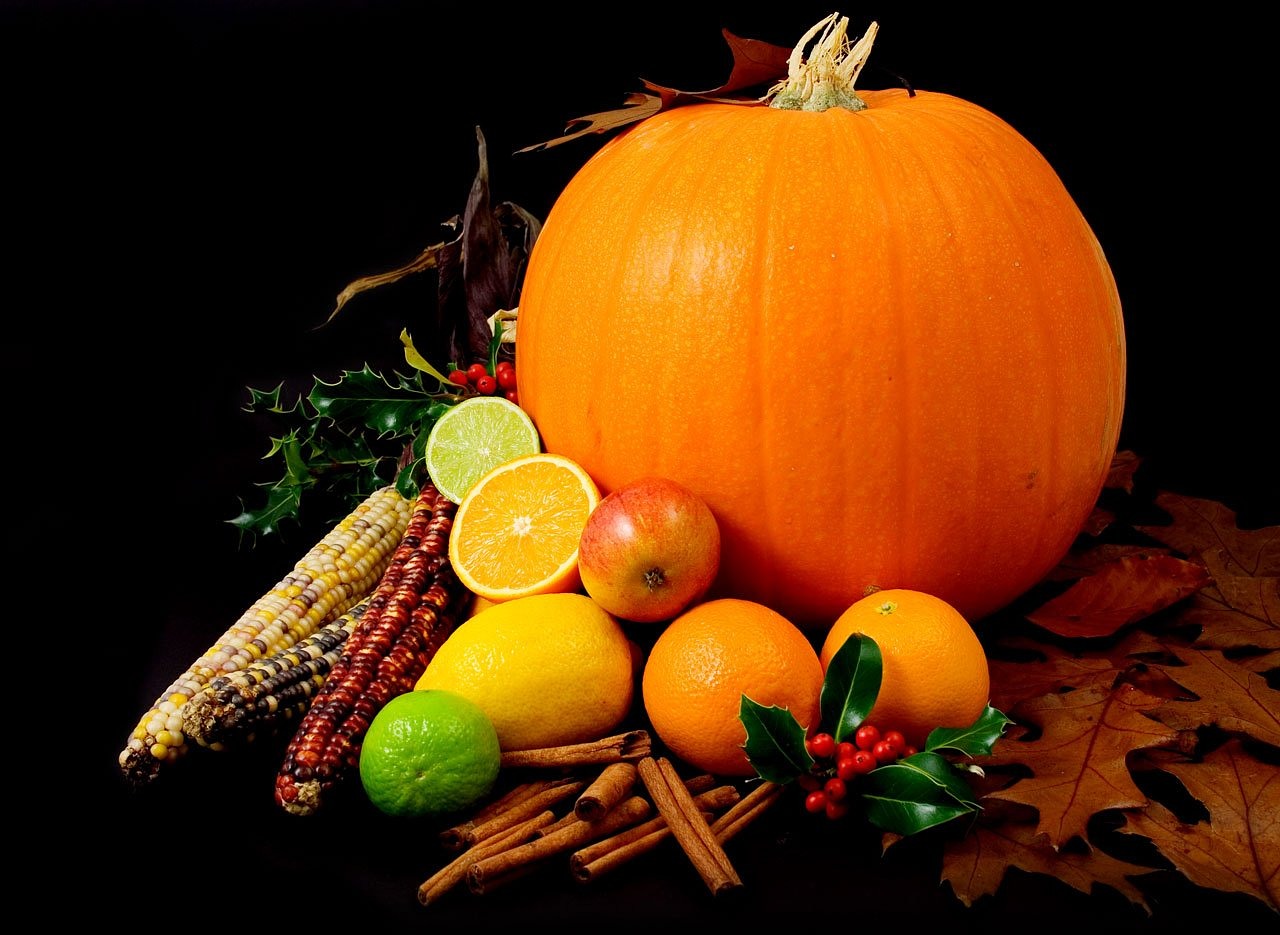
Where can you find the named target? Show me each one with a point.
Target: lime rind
(473, 437)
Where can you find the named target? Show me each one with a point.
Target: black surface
(190, 185)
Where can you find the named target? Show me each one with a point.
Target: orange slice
(516, 531)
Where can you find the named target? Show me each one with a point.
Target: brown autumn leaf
(1238, 849)
(1230, 696)
(976, 864)
(1237, 612)
(754, 63)
(1098, 521)
(1119, 593)
(1208, 529)
(1015, 683)
(1078, 762)
(1080, 562)
(1124, 464)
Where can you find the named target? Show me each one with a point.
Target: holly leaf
(775, 741)
(1238, 849)
(1119, 593)
(916, 793)
(1228, 695)
(394, 407)
(1208, 529)
(282, 503)
(851, 685)
(1078, 761)
(976, 865)
(754, 63)
(975, 740)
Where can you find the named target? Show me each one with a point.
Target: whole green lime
(429, 753)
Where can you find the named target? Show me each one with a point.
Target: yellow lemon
(548, 669)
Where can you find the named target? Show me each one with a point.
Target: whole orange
(935, 669)
(706, 660)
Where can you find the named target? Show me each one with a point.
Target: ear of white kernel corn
(334, 575)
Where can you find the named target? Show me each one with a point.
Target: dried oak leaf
(1119, 593)
(1123, 466)
(1015, 683)
(1208, 529)
(754, 63)
(1237, 612)
(1078, 761)
(1230, 696)
(1238, 849)
(1080, 562)
(976, 864)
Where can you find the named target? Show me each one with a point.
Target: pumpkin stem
(826, 78)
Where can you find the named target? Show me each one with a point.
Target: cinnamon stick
(493, 870)
(746, 810)
(452, 873)
(455, 838)
(525, 808)
(629, 746)
(604, 855)
(688, 826)
(610, 787)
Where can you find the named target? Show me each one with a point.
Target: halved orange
(517, 530)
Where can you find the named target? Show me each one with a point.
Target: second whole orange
(935, 670)
(706, 660)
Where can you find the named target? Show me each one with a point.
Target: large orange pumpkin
(884, 345)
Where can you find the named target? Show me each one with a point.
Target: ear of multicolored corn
(413, 610)
(336, 573)
(271, 694)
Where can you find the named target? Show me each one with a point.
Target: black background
(190, 185)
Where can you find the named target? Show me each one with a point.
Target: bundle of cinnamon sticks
(608, 818)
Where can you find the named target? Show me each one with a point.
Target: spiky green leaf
(977, 739)
(775, 741)
(394, 407)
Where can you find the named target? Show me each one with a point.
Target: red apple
(649, 549)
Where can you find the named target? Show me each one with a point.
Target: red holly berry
(845, 750)
(476, 371)
(861, 762)
(909, 751)
(836, 810)
(883, 752)
(512, 397)
(821, 746)
(895, 739)
(507, 379)
(868, 736)
(487, 385)
(816, 801)
(835, 789)
(459, 377)
(504, 365)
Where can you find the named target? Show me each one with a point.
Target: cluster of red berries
(486, 382)
(838, 764)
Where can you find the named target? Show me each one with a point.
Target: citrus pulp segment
(517, 530)
(474, 436)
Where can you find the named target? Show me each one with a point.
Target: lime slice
(475, 435)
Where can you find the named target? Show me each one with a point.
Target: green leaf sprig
(920, 791)
(349, 437)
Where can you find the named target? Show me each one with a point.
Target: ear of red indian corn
(336, 573)
(270, 694)
(413, 609)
